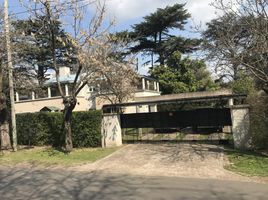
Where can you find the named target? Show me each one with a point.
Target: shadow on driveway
(64, 184)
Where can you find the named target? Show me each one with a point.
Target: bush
(259, 120)
(243, 85)
(46, 129)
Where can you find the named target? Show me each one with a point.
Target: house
(86, 99)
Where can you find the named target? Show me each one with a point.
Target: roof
(70, 79)
(63, 79)
(50, 108)
(148, 78)
(183, 97)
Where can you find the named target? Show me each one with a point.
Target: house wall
(37, 104)
(86, 100)
(146, 93)
(64, 71)
(143, 108)
(100, 101)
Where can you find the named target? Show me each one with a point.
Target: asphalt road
(18, 183)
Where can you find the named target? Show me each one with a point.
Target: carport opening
(211, 135)
(204, 124)
(187, 119)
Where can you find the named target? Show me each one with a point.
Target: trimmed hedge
(46, 129)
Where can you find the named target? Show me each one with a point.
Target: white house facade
(86, 99)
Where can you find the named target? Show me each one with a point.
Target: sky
(129, 12)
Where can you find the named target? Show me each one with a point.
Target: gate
(168, 125)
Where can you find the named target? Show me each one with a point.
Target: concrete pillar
(33, 96)
(111, 130)
(66, 90)
(157, 87)
(148, 85)
(143, 84)
(17, 97)
(155, 108)
(152, 108)
(228, 129)
(230, 102)
(139, 133)
(240, 126)
(48, 92)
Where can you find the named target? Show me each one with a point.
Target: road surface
(27, 183)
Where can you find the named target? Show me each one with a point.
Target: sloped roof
(63, 79)
(50, 108)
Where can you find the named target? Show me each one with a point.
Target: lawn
(48, 156)
(248, 163)
(180, 136)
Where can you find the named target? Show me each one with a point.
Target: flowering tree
(93, 55)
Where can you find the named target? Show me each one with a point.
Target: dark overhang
(179, 100)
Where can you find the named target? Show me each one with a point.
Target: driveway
(167, 159)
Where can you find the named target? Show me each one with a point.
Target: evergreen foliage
(46, 129)
(32, 39)
(153, 35)
(183, 75)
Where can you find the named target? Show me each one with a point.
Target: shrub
(87, 128)
(46, 129)
(259, 120)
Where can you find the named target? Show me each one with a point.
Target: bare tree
(238, 39)
(222, 40)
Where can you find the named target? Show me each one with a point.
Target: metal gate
(163, 125)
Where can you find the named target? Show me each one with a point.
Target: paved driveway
(169, 159)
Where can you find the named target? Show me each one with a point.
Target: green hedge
(46, 129)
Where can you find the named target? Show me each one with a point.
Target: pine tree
(153, 34)
(35, 47)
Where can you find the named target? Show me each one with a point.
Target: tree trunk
(4, 126)
(161, 57)
(69, 105)
(4, 134)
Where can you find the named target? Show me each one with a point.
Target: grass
(228, 136)
(158, 137)
(248, 163)
(48, 156)
(130, 136)
(203, 137)
(180, 136)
